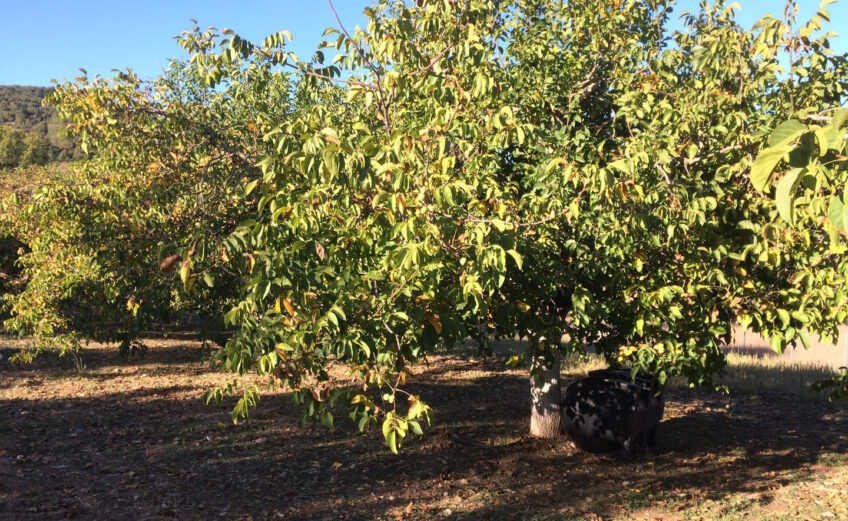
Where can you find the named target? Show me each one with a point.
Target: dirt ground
(131, 440)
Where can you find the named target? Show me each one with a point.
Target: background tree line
(30, 132)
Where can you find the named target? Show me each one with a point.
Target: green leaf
(837, 213)
(800, 316)
(786, 132)
(516, 257)
(622, 165)
(416, 427)
(250, 186)
(785, 194)
(805, 338)
(764, 165)
(840, 119)
(777, 344)
(387, 426)
(393, 441)
(828, 138)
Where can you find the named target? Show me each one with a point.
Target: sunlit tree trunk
(545, 411)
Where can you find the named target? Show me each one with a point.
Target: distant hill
(21, 107)
(21, 110)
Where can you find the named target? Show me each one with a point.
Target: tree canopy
(571, 172)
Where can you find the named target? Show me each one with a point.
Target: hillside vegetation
(30, 132)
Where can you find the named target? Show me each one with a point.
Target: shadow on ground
(156, 452)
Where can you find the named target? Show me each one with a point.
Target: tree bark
(545, 409)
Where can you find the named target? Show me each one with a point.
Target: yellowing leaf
(185, 271)
(554, 162)
(417, 408)
(434, 321)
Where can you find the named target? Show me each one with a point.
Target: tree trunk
(545, 410)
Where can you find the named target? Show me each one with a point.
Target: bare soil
(131, 440)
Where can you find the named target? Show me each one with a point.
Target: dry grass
(745, 373)
(751, 374)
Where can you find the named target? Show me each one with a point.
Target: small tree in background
(12, 146)
(37, 150)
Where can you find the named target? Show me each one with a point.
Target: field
(833, 355)
(132, 440)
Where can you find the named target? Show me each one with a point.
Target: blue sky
(45, 39)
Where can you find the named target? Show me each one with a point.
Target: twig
(820, 117)
(725, 150)
(514, 224)
(382, 97)
(330, 78)
(434, 60)
(392, 297)
(584, 85)
(662, 170)
(347, 35)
